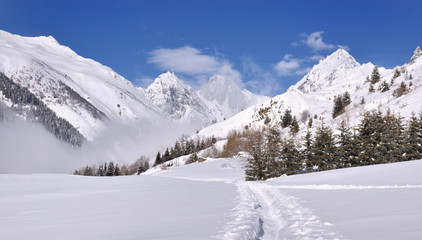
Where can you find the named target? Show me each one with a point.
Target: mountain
(225, 98)
(313, 95)
(217, 100)
(178, 100)
(82, 91)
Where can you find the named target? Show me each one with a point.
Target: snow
(210, 200)
(178, 100)
(75, 207)
(43, 65)
(313, 96)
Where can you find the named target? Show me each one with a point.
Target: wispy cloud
(260, 81)
(287, 66)
(192, 62)
(315, 42)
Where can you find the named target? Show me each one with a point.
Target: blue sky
(265, 45)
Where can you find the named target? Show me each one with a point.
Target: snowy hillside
(80, 90)
(313, 95)
(210, 200)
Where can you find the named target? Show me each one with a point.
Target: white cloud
(192, 62)
(287, 66)
(316, 42)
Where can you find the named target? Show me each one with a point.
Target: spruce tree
(272, 152)
(290, 158)
(375, 76)
(384, 87)
(323, 148)
(393, 139)
(100, 170)
(338, 107)
(346, 99)
(371, 88)
(256, 167)
(310, 122)
(158, 159)
(413, 139)
(294, 126)
(345, 145)
(287, 118)
(116, 171)
(166, 156)
(307, 152)
(110, 169)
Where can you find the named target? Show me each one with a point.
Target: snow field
(210, 200)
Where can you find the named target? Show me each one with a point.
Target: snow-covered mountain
(217, 100)
(313, 95)
(178, 100)
(225, 98)
(79, 90)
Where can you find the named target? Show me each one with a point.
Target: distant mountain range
(89, 97)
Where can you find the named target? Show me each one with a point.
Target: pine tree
(177, 150)
(393, 138)
(384, 87)
(272, 152)
(371, 88)
(396, 74)
(256, 167)
(166, 156)
(323, 148)
(346, 99)
(338, 107)
(158, 159)
(116, 171)
(287, 118)
(344, 156)
(294, 126)
(413, 139)
(110, 169)
(371, 130)
(100, 171)
(290, 161)
(310, 122)
(375, 76)
(307, 152)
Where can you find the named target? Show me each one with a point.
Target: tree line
(26, 103)
(378, 138)
(184, 146)
(111, 169)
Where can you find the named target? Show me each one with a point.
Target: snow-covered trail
(272, 211)
(266, 212)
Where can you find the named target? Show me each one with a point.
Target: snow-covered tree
(416, 55)
(375, 76)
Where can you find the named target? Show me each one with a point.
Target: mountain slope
(80, 90)
(313, 95)
(177, 100)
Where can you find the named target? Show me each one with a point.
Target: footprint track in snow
(265, 212)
